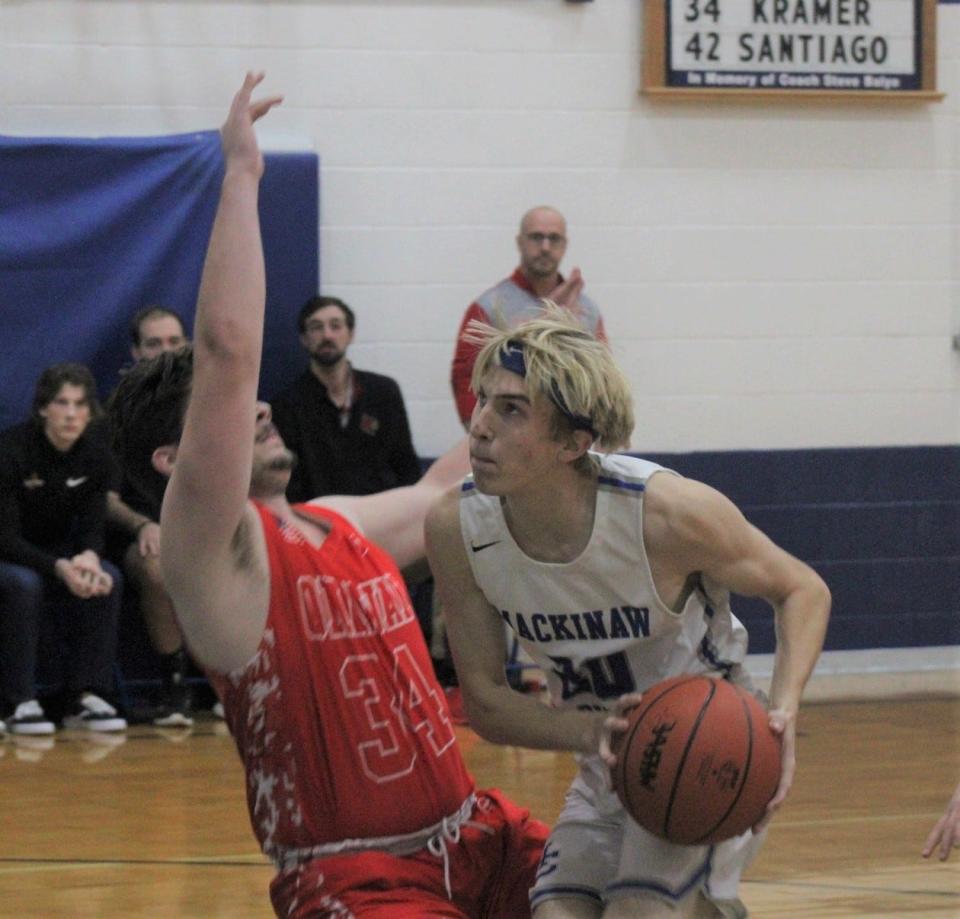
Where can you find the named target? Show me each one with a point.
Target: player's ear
(575, 445)
(163, 459)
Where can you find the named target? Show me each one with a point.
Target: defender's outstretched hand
(240, 148)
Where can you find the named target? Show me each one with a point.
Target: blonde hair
(566, 365)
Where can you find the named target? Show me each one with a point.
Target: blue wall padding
(289, 226)
(880, 524)
(91, 230)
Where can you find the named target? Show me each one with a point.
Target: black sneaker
(95, 714)
(28, 718)
(174, 711)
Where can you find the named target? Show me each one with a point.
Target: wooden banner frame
(656, 57)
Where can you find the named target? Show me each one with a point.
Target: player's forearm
(208, 490)
(801, 627)
(504, 716)
(121, 515)
(230, 306)
(19, 551)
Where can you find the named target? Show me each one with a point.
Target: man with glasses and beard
(348, 427)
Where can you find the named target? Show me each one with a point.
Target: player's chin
(282, 460)
(484, 476)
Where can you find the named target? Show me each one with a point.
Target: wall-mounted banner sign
(883, 47)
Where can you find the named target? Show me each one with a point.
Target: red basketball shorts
(491, 870)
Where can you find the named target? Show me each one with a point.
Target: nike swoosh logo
(73, 483)
(486, 545)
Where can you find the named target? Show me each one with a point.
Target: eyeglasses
(555, 239)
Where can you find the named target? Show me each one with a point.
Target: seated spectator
(348, 427)
(53, 484)
(135, 537)
(155, 330)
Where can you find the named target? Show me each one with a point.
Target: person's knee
(21, 581)
(108, 605)
(144, 571)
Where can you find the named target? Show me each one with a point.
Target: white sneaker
(28, 718)
(218, 711)
(167, 718)
(95, 714)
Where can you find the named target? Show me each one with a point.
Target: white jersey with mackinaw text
(595, 625)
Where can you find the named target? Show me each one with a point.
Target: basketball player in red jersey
(356, 787)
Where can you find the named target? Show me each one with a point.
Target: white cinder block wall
(775, 275)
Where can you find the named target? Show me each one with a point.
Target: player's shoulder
(678, 494)
(685, 510)
(444, 533)
(628, 480)
(623, 473)
(443, 515)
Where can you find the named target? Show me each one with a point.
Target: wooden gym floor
(155, 824)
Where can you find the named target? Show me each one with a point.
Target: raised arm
(207, 494)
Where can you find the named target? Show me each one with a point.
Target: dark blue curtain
(92, 230)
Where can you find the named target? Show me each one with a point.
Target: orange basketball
(698, 763)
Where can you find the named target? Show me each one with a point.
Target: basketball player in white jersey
(614, 573)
